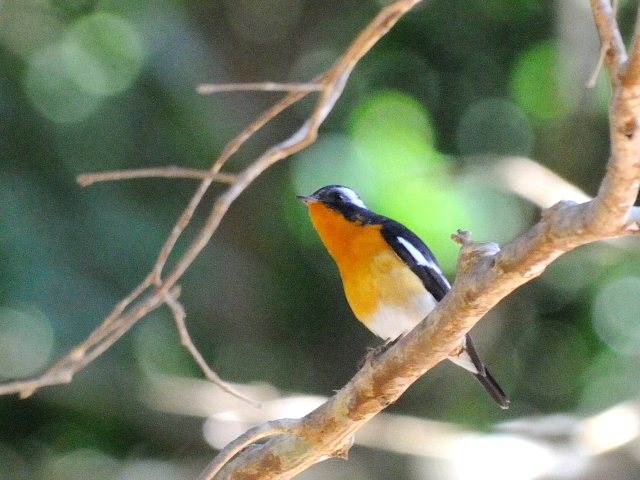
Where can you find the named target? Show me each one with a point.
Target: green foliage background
(91, 85)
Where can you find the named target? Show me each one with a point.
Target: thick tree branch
(611, 40)
(619, 189)
(485, 275)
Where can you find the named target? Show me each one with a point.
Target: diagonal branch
(619, 189)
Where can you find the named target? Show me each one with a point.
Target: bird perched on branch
(391, 279)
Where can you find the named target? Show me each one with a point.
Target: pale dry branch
(598, 68)
(179, 316)
(208, 88)
(96, 343)
(87, 179)
(228, 151)
(615, 54)
(158, 287)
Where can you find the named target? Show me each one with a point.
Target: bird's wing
(413, 251)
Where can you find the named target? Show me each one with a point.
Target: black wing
(424, 264)
(428, 271)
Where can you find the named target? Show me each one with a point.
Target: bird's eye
(337, 196)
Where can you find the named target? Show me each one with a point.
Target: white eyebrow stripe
(419, 257)
(352, 197)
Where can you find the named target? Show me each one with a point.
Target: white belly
(392, 321)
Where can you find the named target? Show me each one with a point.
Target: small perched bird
(391, 279)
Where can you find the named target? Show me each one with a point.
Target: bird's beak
(307, 199)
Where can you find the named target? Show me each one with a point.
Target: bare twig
(208, 88)
(615, 53)
(228, 151)
(87, 179)
(179, 315)
(603, 52)
(98, 341)
(596, 71)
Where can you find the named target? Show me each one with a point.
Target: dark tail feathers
(491, 386)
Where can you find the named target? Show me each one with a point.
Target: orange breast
(374, 277)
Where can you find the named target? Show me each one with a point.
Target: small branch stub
(462, 237)
(472, 252)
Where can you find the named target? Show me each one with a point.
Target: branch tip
(462, 237)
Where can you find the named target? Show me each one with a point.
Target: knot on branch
(629, 128)
(472, 252)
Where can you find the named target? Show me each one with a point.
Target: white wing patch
(419, 257)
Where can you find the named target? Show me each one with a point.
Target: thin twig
(228, 151)
(179, 316)
(596, 71)
(86, 179)
(615, 55)
(94, 345)
(604, 47)
(208, 88)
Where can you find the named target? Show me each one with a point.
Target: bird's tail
(467, 357)
(491, 386)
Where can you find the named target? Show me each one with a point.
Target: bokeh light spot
(26, 28)
(616, 315)
(501, 457)
(333, 159)
(390, 125)
(482, 202)
(609, 379)
(157, 349)
(108, 53)
(402, 174)
(81, 463)
(534, 82)
(101, 55)
(26, 342)
(549, 375)
(494, 126)
(263, 22)
(152, 470)
(53, 91)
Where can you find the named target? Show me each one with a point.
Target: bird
(391, 279)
